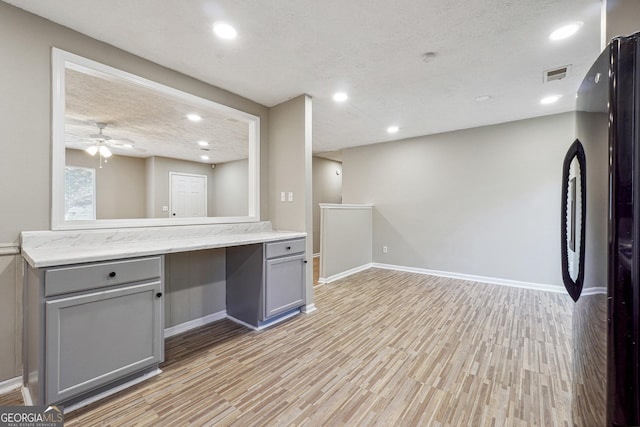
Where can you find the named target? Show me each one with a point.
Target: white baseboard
(111, 391)
(241, 322)
(594, 291)
(196, 323)
(9, 385)
(344, 274)
(268, 323)
(473, 278)
(309, 308)
(28, 401)
(26, 396)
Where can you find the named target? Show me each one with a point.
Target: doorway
(188, 195)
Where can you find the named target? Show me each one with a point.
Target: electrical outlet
(385, 249)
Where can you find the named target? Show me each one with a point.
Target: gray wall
(327, 188)
(10, 316)
(132, 187)
(287, 160)
(195, 285)
(346, 240)
(593, 131)
(158, 187)
(483, 201)
(621, 18)
(230, 189)
(25, 119)
(120, 184)
(290, 170)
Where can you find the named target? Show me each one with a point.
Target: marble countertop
(53, 248)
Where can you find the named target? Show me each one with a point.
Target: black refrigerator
(600, 239)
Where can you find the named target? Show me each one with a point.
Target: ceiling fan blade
(122, 141)
(100, 136)
(125, 146)
(69, 137)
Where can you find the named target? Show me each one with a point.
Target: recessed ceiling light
(483, 98)
(393, 129)
(340, 97)
(224, 30)
(204, 157)
(566, 31)
(550, 99)
(194, 117)
(203, 143)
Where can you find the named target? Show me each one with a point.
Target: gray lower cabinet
(92, 325)
(283, 288)
(265, 280)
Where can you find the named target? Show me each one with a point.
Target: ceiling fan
(100, 143)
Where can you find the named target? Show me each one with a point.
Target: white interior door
(188, 197)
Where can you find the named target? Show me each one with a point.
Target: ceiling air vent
(556, 74)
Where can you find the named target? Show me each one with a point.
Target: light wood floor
(384, 348)
(316, 270)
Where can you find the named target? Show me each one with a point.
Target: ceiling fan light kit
(100, 144)
(92, 150)
(104, 152)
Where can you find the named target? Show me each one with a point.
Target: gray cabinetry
(99, 323)
(265, 281)
(283, 284)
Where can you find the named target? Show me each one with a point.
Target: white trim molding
(309, 308)
(597, 290)
(111, 391)
(344, 274)
(26, 396)
(61, 61)
(473, 278)
(9, 249)
(344, 206)
(268, 323)
(196, 323)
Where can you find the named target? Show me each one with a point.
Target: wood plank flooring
(316, 270)
(13, 398)
(384, 348)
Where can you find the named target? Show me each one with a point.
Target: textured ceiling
(154, 123)
(371, 49)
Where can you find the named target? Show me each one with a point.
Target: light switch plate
(282, 197)
(291, 196)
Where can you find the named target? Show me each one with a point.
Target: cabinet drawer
(287, 247)
(91, 276)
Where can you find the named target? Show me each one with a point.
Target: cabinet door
(284, 284)
(95, 338)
